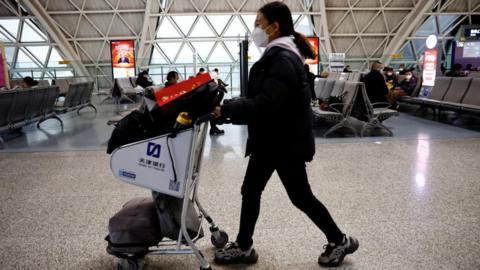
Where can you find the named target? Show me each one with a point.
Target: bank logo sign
(153, 150)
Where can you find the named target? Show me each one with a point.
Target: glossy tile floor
(412, 200)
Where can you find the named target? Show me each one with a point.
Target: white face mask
(408, 77)
(260, 38)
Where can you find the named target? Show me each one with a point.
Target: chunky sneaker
(334, 253)
(232, 254)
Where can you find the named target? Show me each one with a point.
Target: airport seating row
(21, 107)
(353, 94)
(126, 90)
(77, 97)
(64, 83)
(18, 82)
(459, 94)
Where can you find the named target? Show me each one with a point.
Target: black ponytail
(280, 13)
(304, 46)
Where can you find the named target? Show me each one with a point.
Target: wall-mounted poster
(123, 58)
(313, 63)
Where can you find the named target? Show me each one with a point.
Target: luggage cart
(169, 164)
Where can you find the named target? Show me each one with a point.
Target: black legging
(294, 178)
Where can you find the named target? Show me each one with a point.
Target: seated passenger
(375, 85)
(347, 69)
(172, 78)
(456, 71)
(29, 82)
(405, 88)
(390, 78)
(143, 80)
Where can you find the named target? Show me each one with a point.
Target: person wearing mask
(29, 82)
(375, 85)
(172, 78)
(347, 69)
(143, 79)
(390, 78)
(279, 117)
(405, 88)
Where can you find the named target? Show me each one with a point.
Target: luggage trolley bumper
(169, 164)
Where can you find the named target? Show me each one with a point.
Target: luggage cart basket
(169, 164)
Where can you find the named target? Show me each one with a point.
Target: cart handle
(204, 118)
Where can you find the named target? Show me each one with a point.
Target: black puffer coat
(277, 108)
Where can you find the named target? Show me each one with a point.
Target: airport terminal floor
(411, 199)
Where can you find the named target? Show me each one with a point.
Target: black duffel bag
(135, 224)
(143, 124)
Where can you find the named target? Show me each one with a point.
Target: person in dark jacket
(143, 80)
(406, 87)
(172, 78)
(278, 113)
(375, 84)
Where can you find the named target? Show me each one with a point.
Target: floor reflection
(422, 159)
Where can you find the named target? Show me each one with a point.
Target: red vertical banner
(123, 58)
(3, 68)
(430, 67)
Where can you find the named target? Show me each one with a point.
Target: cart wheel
(219, 239)
(128, 264)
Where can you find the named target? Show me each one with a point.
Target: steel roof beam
(74, 12)
(56, 34)
(325, 31)
(414, 18)
(145, 31)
